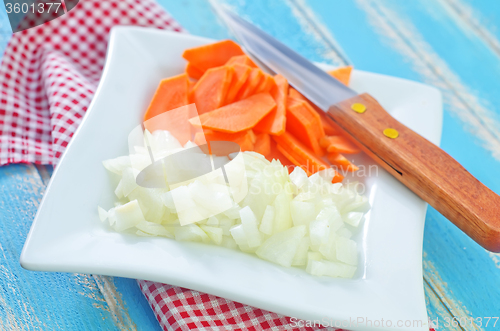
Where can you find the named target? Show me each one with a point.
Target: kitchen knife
(419, 164)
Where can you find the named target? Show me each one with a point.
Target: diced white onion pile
(291, 220)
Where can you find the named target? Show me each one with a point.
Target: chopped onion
(126, 216)
(346, 250)
(214, 233)
(281, 247)
(103, 214)
(353, 218)
(288, 219)
(267, 223)
(302, 212)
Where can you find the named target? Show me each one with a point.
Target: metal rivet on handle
(358, 108)
(391, 133)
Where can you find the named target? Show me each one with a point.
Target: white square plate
(67, 235)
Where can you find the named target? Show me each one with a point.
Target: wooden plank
(55, 301)
(197, 17)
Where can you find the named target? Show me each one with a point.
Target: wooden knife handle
(423, 167)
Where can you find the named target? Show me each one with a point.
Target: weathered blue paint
(407, 39)
(5, 29)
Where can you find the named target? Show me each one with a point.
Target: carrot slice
(274, 123)
(241, 73)
(239, 116)
(171, 93)
(242, 59)
(293, 93)
(275, 154)
(245, 139)
(292, 159)
(329, 127)
(338, 144)
(263, 144)
(191, 86)
(212, 55)
(250, 85)
(300, 155)
(266, 84)
(342, 74)
(305, 124)
(210, 91)
(193, 72)
(341, 161)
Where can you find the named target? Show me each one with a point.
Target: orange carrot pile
(237, 101)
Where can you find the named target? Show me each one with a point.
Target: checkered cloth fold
(48, 77)
(49, 74)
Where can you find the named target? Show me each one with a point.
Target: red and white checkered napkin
(180, 309)
(48, 76)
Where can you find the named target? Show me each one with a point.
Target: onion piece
(126, 216)
(353, 218)
(267, 223)
(281, 247)
(213, 233)
(103, 214)
(300, 258)
(346, 250)
(302, 212)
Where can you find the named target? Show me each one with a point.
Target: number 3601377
(47, 7)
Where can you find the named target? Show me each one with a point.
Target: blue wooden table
(451, 44)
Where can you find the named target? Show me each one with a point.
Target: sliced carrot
(293, 93)
(210, 91)
(304, 123)
(170, 94)
(242, 59)
(330, 127)
(266, 84)
(241, 73)
(212, 55)
(292, 159)
(253, 80)
(342, 74)
(245, 139)
(239, 116)
(274, 123)
(275, 154)
(263, 144)
(341, 161)
(300, 155)
(193, 72)
(191, 86)
(338, 144)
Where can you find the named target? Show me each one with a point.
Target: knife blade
(423, 167)
(317, 85)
